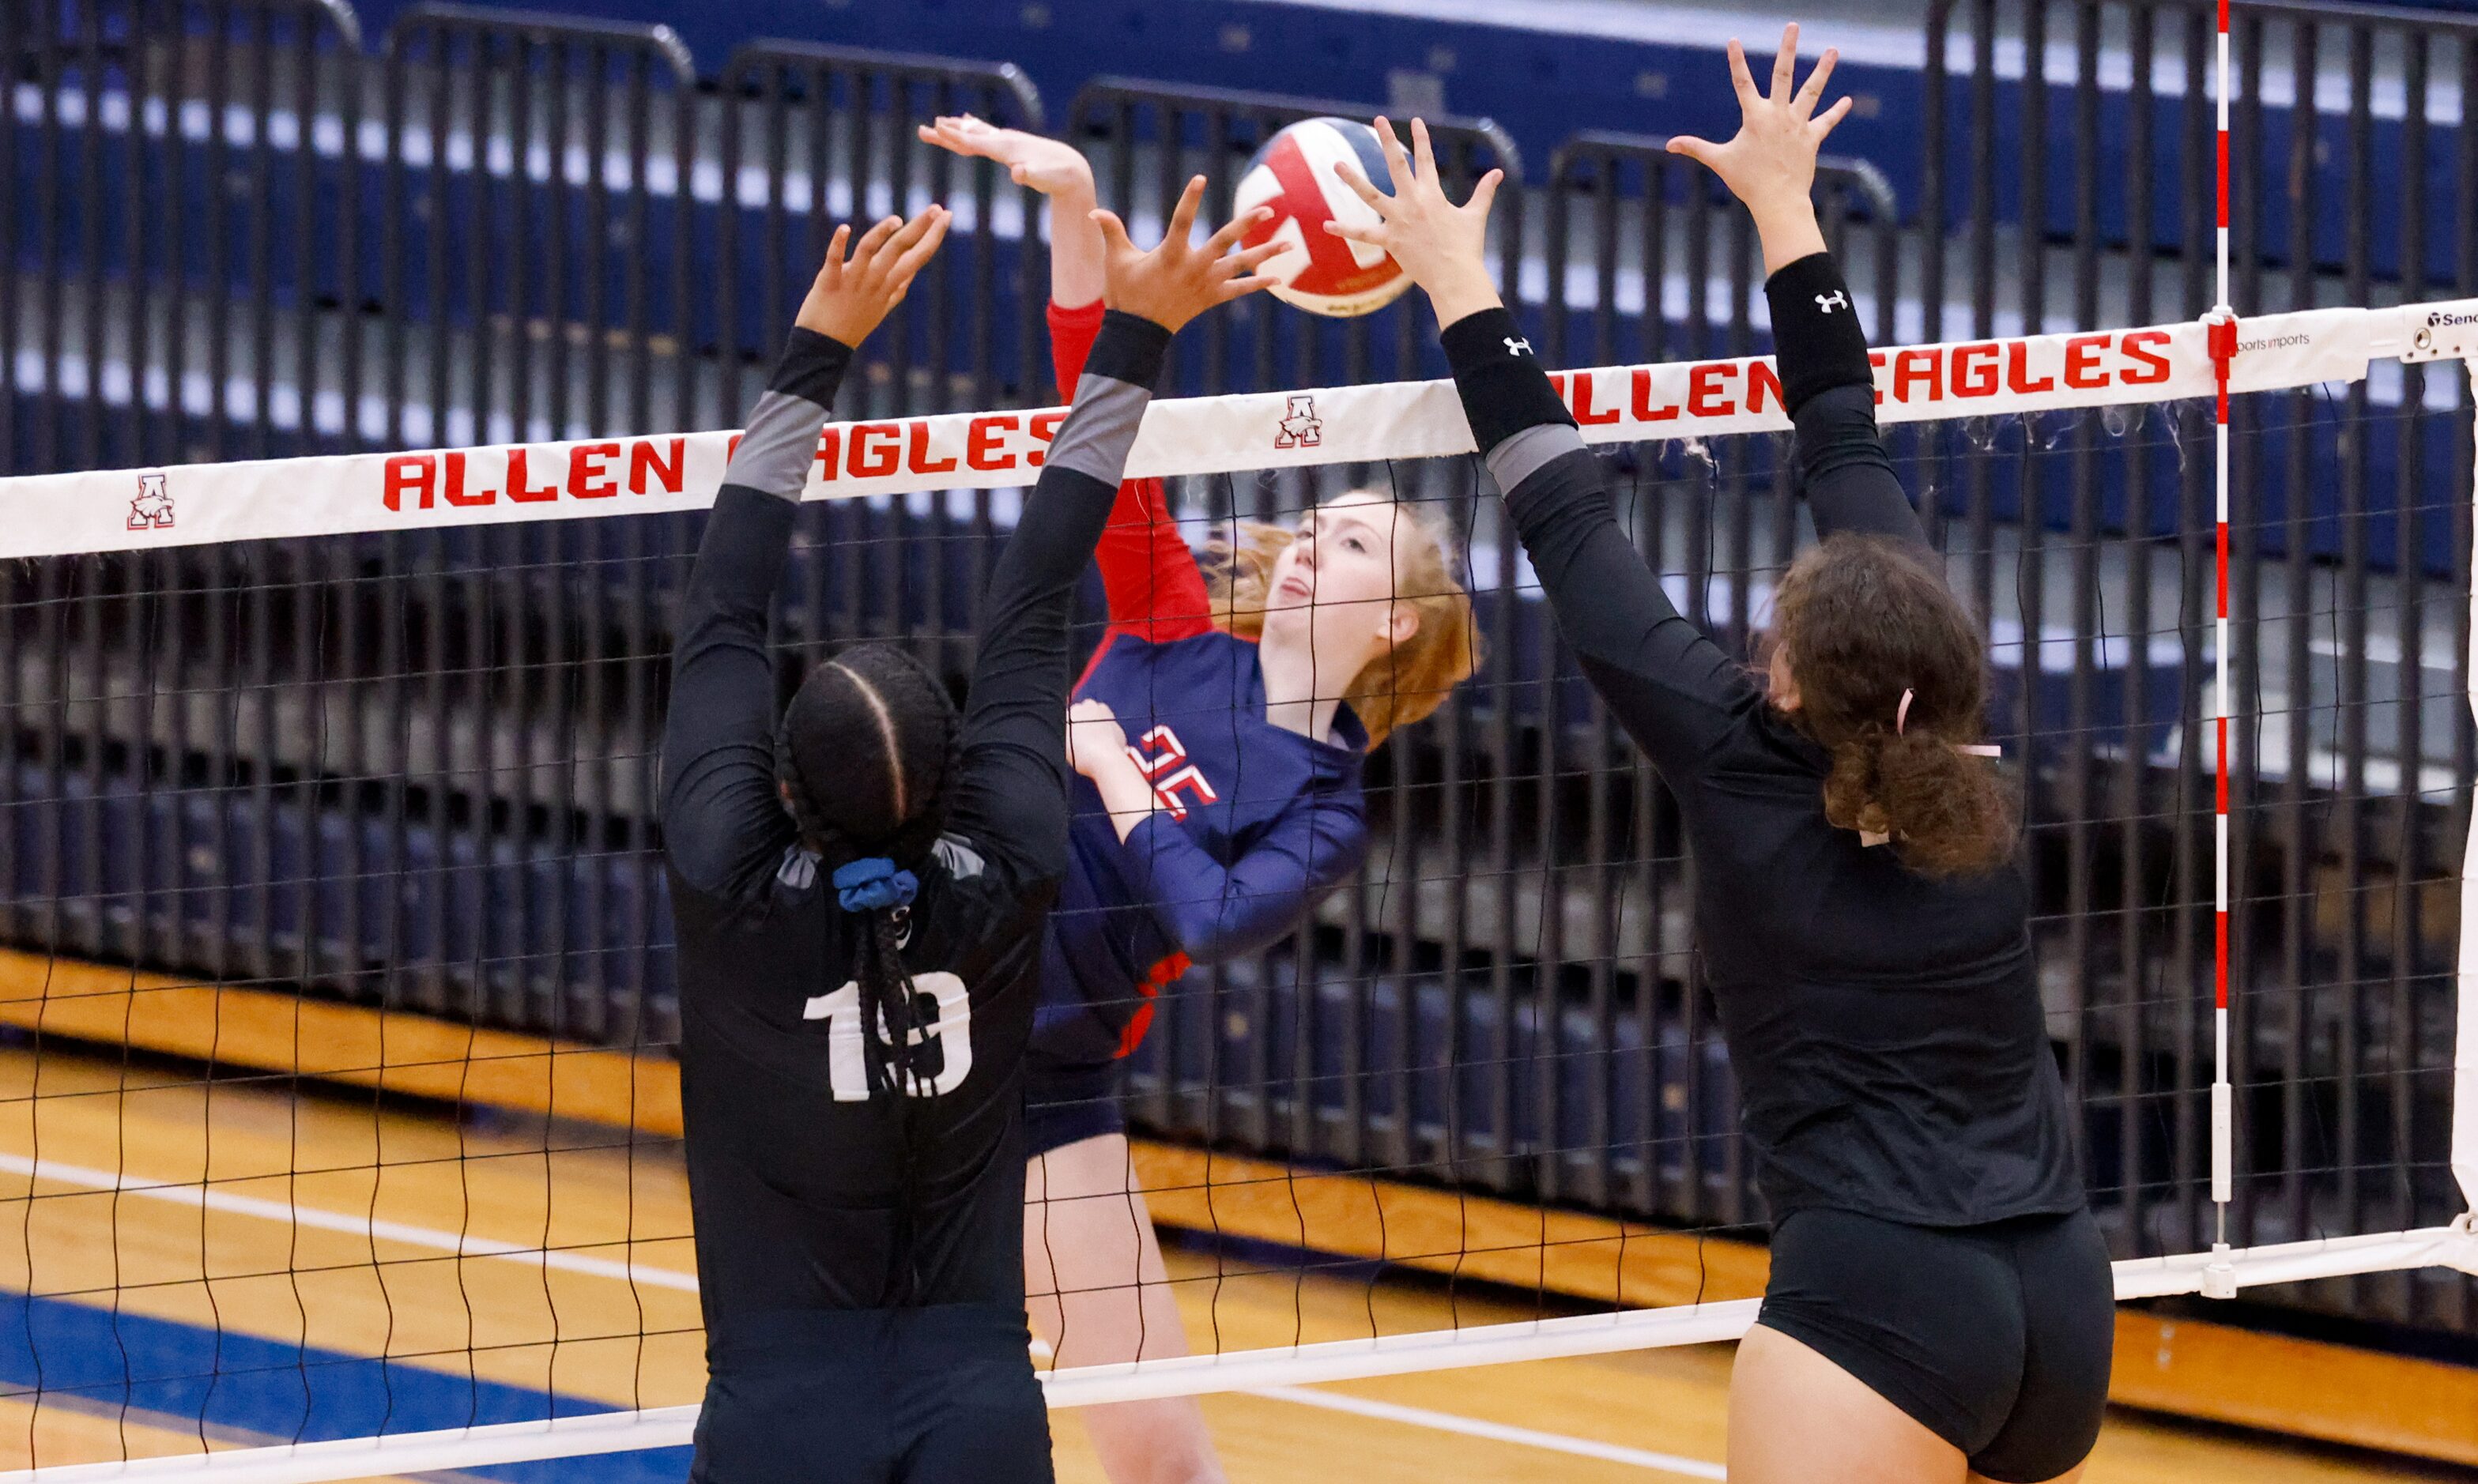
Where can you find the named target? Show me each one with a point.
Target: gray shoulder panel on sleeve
(1527, 452)
(775, 452)
(1101, 428)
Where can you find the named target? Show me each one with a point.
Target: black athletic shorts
(944, 1394)
(1068, 1102)
(1997, 1337)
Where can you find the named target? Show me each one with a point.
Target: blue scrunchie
(872, 884)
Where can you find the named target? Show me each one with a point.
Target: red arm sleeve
(1155, 592)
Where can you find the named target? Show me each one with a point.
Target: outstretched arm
(1148, 572)
(1827, 381)
(723, 823)
(1213, 912)
(1013, 792)
(1148, 576)
(1671, 687)
(1060, 173)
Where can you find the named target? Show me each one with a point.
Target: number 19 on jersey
(846, 1059)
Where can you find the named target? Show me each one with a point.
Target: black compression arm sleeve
(1669, 685)
(1013, 794)
(724, 823)
(1829, 385)
(1503, 388)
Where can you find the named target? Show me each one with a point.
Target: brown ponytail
(1862, 619)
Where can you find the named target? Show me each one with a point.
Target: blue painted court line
(235, 1387)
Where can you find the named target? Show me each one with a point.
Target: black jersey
(1884, 1027)
(808, 1192)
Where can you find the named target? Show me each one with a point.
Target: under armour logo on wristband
(1826, 302)
(1515, 347)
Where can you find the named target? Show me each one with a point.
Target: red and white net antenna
(2219, 1280)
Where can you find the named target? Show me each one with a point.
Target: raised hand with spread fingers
(852, 295)
(1770, 162)
(1180, 278)
(1443, 246)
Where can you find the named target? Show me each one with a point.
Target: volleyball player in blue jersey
(860, 886)
(1219, 734)
(1941, 1308)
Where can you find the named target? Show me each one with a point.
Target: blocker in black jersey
(1884, 1027)
(860, 1258)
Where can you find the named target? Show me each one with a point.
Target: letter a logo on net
(1300, 427)
(152, 509)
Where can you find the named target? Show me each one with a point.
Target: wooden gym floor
(327, 1236)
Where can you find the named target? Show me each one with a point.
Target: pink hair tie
(1902, 719)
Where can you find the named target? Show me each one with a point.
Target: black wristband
(1816, 338)
(1129, 348)
(1504, 388)
(812, 367)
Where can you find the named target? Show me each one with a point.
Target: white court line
(196, 1197)
(199, 1197)
(1498, 1432)
(1470, 1428)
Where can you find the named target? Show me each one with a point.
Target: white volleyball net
(342, 1134)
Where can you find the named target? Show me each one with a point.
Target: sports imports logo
(152, 509)
(1302, 428)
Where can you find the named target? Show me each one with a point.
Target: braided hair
(867, 753)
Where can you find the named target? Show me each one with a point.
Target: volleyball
(1294, 175)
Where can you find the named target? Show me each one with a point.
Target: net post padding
(2450, 333)
(139, 509)
(2464, 1046)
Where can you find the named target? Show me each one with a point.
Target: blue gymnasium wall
(1542, 85)
(1545, 71)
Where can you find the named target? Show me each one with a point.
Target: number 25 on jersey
(846, 1060)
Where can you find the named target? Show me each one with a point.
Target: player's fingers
(887, 262)
(1247, 258)
(1701, 151)
(835, 245)
(864, 251)
(1830, 120)
(1241, 288)
(1422, 153)
(1397, 165)
(1360, 184)
(1786, 64)
(1812, 92)
(923, 250)
(1182, 217)
(1485, 193)
(1237, 227)
(1114, 232)
(1354, 232)
(1740, 78)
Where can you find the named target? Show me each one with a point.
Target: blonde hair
(1410, 679)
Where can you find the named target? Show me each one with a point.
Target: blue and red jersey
(1257, 822)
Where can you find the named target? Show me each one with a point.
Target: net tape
(141, 510)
